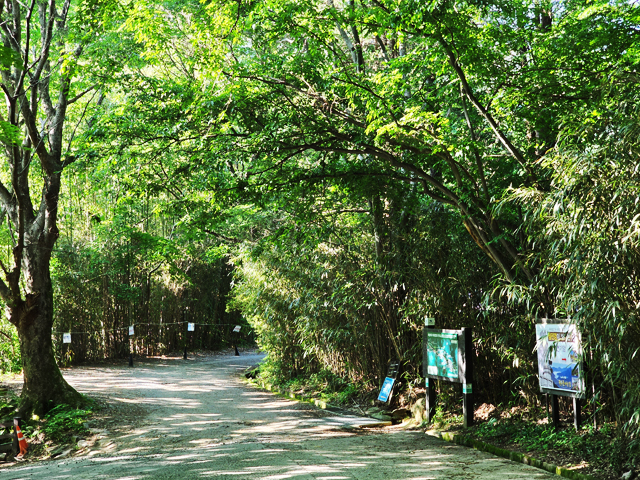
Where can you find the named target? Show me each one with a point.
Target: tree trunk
(44, 387)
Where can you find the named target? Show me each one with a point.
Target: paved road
(202, 422)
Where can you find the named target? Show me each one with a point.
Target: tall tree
(42, 44)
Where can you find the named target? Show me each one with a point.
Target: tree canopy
(342, 169)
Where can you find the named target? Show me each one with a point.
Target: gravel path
(196, 419)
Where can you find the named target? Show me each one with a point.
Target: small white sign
(66, 338)
(429, 321)
(191, 327)
(131, 330)
(237, 329)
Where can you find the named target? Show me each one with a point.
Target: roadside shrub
(64, 421)
(10, 361)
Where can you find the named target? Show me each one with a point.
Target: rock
(372, 410)
(381, 416)
(627, 476)
(400, 414)
(418, 409)
(54, 452)
(83, 443)
(486, 411)
(64, 454)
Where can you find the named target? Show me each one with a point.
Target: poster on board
(559, 359)
(191, 327)
(66, 338)
(443, 354)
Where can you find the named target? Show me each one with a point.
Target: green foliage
(8, 405)
(10, 361)
(323, 385)
(62, 422)
(589, 444)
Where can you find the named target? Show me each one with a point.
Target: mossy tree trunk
(36, 88)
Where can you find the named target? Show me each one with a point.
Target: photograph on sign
(131, 330)
(66, 338)
(191, 327)
(442, 354)
(385, 391)
(237, 328)
(559, 354)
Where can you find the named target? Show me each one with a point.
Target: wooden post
(546, 396)
(555, 411)
(467, 385)
(430, 398)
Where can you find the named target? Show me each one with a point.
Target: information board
(236, 328)
(191, 327)
(66, 338)
(131, 330)
(447, 355)
(390, 379)
(443, 354)
(559, 359)
(385, 391)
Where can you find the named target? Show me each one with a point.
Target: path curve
(198, 420)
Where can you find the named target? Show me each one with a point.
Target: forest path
(201, 421)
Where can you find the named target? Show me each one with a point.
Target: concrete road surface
(196, 419)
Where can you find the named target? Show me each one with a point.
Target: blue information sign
(385, 391)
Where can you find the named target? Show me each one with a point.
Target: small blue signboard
(385, 391)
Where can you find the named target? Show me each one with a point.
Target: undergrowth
(63, 422)
(603, 445)
(323, 385)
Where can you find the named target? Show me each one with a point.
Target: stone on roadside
(381, 416)
(418, 409)
(54, 452)
(400, 414)
(64, 454)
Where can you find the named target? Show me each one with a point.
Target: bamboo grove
(333, 172)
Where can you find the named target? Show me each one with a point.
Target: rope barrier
(145, 324)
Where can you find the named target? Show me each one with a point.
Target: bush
(10, 360)
(64, 421)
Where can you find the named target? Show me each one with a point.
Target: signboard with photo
(560, 359)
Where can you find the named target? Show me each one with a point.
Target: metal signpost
(560, 367)
(448, 355)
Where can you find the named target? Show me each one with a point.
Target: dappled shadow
(204, 422)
